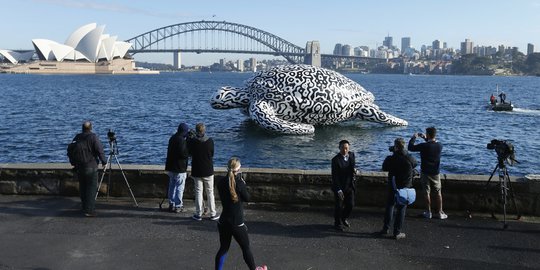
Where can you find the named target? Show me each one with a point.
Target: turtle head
(228, 97)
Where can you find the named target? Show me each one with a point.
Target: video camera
(111, 135)
(504, 150)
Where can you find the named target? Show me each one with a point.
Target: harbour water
(39, 115)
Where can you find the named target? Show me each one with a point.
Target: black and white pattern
(292, 99)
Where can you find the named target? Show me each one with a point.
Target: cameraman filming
(430, 156)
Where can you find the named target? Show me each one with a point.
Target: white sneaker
(426, 214)
(441, 215)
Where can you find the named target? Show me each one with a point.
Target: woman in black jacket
(232, 192)
(400, 167)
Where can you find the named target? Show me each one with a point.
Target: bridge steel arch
(277, 46)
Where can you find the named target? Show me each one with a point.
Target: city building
(347, 50)
(337, 49)
(466, 47)
(530, 48)
(405, 44)
(388, 42)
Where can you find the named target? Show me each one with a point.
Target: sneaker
(171, 208)
(179, 209)
(216, 217)
(399, 236)
(90, 214)
(346, 223)
(262, 267)
(441, 215)
(382, 232)
(196, 217)
(426, 214)
(338, 227)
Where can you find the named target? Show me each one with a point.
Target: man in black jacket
(86, 167)
(201, 149)
(343, 185)
(176, 167)
(400, 168)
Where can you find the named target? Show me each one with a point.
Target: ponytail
(233, 164)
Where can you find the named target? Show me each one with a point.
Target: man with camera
(343, 184)
(176, 167)
(84, 152)
(400, 167)
(430, 156)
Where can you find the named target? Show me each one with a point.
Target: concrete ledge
(460, 192)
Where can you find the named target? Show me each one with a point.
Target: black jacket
(233, 213)
(400, 165)
(177, 154)
(94, 152)
(430, 155)
(202, 156)
(343, 172)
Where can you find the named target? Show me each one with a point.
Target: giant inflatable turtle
(292, 99)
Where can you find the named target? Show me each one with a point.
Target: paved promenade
(49, 233)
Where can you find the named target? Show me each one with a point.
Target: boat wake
(526, 111)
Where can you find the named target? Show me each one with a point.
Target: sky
(354, 22)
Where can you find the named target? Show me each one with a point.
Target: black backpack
(78, 151)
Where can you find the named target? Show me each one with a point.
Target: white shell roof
(87, 42)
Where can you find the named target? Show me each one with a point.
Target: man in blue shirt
(430, 156)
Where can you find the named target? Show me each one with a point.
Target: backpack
(78, 151)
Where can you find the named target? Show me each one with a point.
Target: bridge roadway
(50, 233)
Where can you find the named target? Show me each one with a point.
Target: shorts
(431, 180)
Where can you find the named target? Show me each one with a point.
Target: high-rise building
(388, 42)
(240, 65)
(530, 48)
(253, 64)
(177, 60)
(405, 43)
(436, 44)
(346, 50)
(466, 47)
(337, 49)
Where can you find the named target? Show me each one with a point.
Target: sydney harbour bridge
(225, 37)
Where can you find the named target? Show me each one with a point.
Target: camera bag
(404, 196)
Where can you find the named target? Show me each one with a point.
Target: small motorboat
(502, 104)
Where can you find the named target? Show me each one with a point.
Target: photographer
(400, 167)
(430, 156)
(84, 152)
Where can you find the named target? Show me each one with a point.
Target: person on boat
(492, 99)
(502, 95)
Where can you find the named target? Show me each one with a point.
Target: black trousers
(87, 188)
(343, 208)
(226, 232)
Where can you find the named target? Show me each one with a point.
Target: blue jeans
(389, 214)
(177, 181)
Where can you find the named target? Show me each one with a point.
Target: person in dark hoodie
(176, 167)
(201, 148)
(400, 167)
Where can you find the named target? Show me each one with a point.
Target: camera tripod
(505, 186)
(113, 153)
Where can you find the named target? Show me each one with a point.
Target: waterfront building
(466, 47)
(346, 50)
(388, 42)
(405, 44)
(338, 49)
(530, 48)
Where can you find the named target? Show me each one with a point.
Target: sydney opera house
(86, 51)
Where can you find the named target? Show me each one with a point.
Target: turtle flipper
(371, 112)
(262, 113)
(230, 97)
